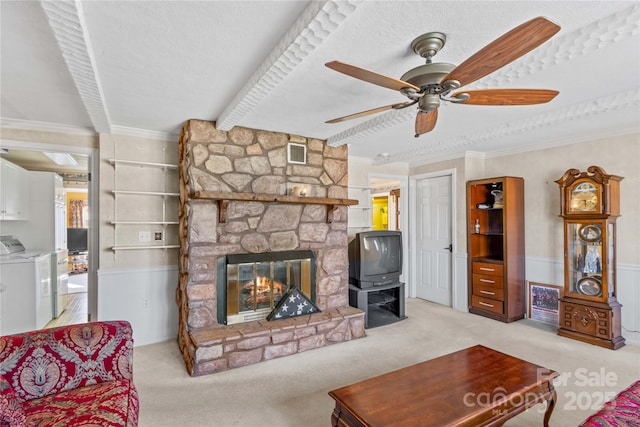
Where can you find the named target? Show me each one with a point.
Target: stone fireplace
(253, 223)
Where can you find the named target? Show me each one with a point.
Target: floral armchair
(70, 375)
(621, 411)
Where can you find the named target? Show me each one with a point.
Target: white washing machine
(25, 288)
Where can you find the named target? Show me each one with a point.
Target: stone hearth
(236, 198)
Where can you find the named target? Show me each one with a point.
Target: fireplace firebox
(250, 285)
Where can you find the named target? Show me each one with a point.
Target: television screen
(77, 239)
(380, 254)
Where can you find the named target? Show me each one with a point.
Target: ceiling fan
(428, 84)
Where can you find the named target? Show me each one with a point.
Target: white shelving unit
(360, 215)
(164, 223)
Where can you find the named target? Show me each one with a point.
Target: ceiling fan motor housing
(427, 74)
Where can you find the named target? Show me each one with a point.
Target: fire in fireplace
(250, 285)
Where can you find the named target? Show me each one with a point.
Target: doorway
(81, 304)
(432, 237)
(387, 193)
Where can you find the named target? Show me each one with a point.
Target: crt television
(77, 240)
(375, 258)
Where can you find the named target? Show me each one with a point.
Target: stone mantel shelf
(223, 198)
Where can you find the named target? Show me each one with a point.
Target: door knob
(450, 247)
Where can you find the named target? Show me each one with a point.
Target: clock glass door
(586, 266)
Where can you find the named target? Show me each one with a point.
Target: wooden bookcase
(495, 243)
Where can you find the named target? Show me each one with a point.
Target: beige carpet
(292, 391)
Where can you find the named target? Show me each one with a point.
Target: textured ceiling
(144, 68)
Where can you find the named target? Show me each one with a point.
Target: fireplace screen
(254, 283)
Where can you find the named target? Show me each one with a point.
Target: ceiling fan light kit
(428, 84)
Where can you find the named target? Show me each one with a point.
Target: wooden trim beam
(223, 198)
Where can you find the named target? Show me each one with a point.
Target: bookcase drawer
(488, 292)
(487, 280)
(488, 268)
(487, 304)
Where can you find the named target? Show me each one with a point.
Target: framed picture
(544, 302)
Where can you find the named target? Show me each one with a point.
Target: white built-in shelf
(163, 194)
(359, 207)
(145, 222)
(360, 226)
(129, 248)
(137, 163)
(148, 193)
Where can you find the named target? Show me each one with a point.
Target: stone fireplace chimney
(243, 192)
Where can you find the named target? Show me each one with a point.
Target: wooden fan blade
(370, 76)
(425, 122)
(367, 112)
(508, 96)
(504, 50)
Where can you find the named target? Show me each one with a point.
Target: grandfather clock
(590, 205)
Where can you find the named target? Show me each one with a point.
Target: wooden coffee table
(477, 386)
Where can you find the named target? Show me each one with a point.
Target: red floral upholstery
(71, 375)
(11, 412)
(621, 411)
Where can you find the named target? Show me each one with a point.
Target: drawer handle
(487, 293)
(487, 269)
(485, 304)
(487, 281)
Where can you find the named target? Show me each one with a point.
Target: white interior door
(433, 239)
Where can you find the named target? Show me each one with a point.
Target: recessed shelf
(129, 248)
(137, 163)
(147, 193)
(144, 222)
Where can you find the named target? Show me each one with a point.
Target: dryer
(25, 288)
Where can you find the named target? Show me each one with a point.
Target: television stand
(382, 305)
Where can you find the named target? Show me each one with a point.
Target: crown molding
(631, 130)
(44, 127)
(144, 133)
(600, 34)
(313, 26)
(371, 126)
(66, 19)
(58, 128)
(615, 102)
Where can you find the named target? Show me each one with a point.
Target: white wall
(146, 297)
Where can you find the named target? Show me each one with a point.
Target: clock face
(584, 198)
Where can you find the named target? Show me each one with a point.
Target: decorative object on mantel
(293, 303)
(590, 205)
